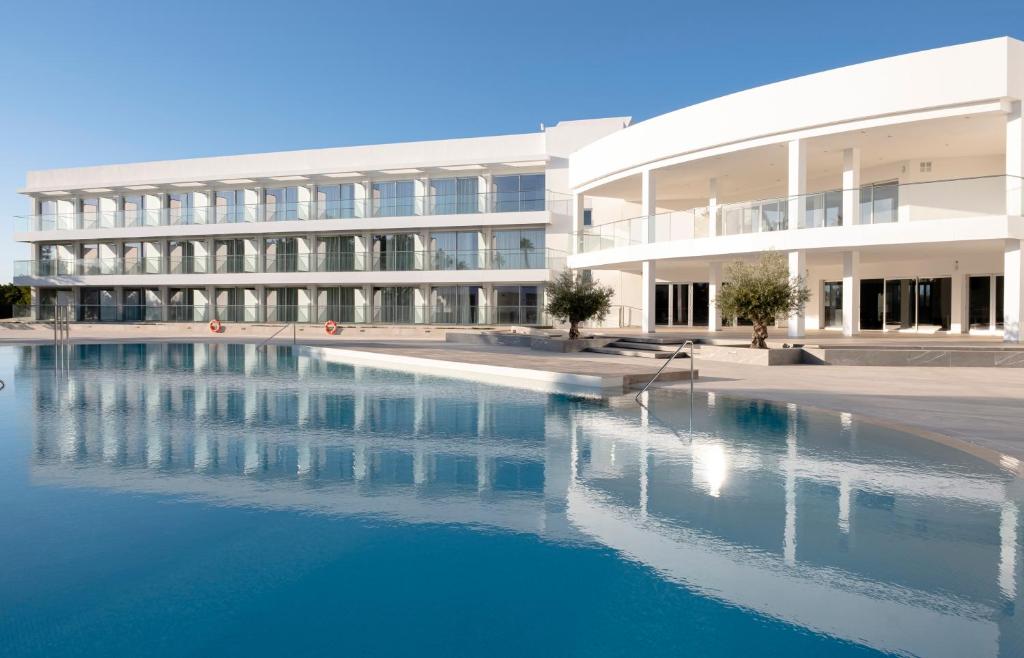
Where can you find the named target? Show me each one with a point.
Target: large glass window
(934, 298)
(455, 250)
(281, 203)
(230, 256)
(394, 304)
(137, 211)
(340, 306)
(879, 203)
(824, 209)
(395, 253)
(131, 258)
(181, 257)
(454, 195)
(90, 209)
(97, 305)
(396, 198)
(179, 208)
(518, 249)
(229, 206)
(519, 192)
(335, 201)
(337, 253)
(282, 304)
(517, 304)
(455, 305)
(282, 254)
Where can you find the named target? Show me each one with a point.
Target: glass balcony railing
(878, 203)
(300, 313)
(345, 261)
(370, 207)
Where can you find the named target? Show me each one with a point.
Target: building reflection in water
(815, 519)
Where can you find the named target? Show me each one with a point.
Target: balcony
(411, 206)
(880, 203)
(298, 313)
(345, 261)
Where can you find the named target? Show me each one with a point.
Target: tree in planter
(574, 298)
(761, 292)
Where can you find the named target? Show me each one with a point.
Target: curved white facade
(904, 172)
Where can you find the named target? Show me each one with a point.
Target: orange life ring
(331, 327)
(215, 326)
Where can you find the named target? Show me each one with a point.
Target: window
(282, 255)
(516, 304)
(229, 206)
(454, 195)
(520, 192)
(394, 253)
(181, 257)
(588, 217)
(90, 209)
(282, 304)
(395, 198)
(518, 249)
(394, 304)
(455, 304)
(230, 257)
(455, 250)
(833, 297)
(282, 203)
(335, 201)
(337, 253)
(179, 208)
(879, 203)
(824, 209)
(132, 258)
(341, 305)
(137, 211)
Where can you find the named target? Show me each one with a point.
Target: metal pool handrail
(665, 365)
(274, 335)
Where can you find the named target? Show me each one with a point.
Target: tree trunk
(574, 330)
(760, 334)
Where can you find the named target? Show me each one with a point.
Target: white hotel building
(893, 186)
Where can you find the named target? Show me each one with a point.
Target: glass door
(833, 311)
(900, 309)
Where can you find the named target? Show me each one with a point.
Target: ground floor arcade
(944, 289)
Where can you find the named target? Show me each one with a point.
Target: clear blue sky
(103, 82)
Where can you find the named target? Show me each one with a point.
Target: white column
(1013, 291)
(851, 186)
(647, 285)
(957, 304)
(1014, 160)
(851, 292)
(714, 283)
(797, 268)
(797, 182)
(712, 207)
(648, 203)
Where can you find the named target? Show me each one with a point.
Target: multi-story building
(894, 187)
(457, 231)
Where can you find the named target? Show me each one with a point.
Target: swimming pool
(172, 500)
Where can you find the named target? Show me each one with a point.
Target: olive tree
(761, 292)
(574, 298)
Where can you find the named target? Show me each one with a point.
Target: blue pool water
(180, 500)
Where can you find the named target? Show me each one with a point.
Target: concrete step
(652, 340)
(644, 354)
(656, 347)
